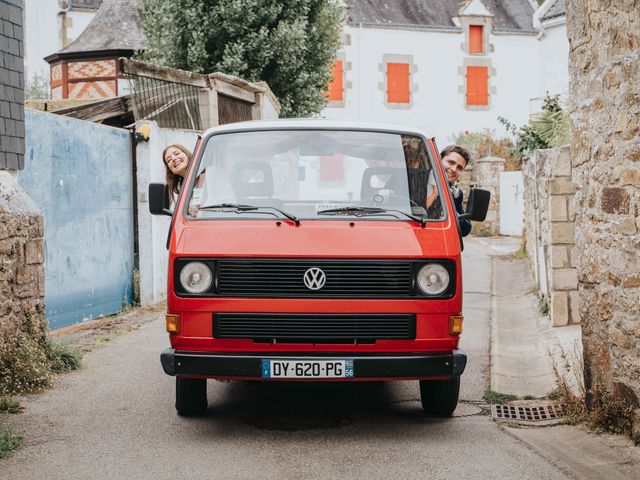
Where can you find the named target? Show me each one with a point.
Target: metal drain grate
(528, 413)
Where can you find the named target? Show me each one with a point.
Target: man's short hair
(463, 152)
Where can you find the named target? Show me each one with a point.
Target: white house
(550, 21)
(445, 65)
(51, 25)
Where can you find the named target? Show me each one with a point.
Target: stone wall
(486, 175)
(549, 224)
(21, 262)
(11, 85)
(604, 68)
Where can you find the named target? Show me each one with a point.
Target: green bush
(484, 143)
(25, 364)
(604, 413)
(28, 361)
(549, 128)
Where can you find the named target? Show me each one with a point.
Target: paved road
(115, 419)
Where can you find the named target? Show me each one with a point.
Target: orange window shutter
(476, 40)
(335, 87)
(398, 90)
(477, 86)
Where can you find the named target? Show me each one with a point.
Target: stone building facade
(604, 66)
(549, 221)
(11, 85)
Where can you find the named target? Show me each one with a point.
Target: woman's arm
(432, 196)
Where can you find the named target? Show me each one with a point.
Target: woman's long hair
(174, 181)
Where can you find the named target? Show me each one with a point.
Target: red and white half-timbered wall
(83, 79)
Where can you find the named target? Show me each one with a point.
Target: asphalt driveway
(115, 419)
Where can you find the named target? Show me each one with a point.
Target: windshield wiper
(239, 207)
(364, 211)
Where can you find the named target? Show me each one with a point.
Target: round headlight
(196, 277)
(433, 279)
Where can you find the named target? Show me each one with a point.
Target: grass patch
(64, 357)
(498, 398)
(10, 405)
(557, 393)
(529, 397)
(8, 441)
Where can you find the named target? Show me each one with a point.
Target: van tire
(440, 397)
(191, 396)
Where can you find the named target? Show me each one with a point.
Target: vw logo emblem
(314, 278)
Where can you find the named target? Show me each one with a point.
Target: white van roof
(311, 123)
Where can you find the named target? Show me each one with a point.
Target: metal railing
(171, 104)
(165, 95)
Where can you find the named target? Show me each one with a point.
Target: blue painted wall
(79, 175)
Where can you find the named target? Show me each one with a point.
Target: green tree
(37, 87)
(290, 44)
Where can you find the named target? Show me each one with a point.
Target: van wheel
(440, 397)
(191, 396)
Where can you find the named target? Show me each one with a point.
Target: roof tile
(509, 15)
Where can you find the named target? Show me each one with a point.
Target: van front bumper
(366, 366)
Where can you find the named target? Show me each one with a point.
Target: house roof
(86, 4)
(508, 15)
(556, 10)
(116, 26)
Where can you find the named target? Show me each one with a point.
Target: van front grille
(278, 278)
(315, 328)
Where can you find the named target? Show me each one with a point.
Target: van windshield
(318, 174)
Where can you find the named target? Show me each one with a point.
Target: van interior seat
(252, 183)
(394, 179)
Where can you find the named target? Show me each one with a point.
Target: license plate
(307, 369)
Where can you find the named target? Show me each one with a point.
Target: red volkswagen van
(304, 250)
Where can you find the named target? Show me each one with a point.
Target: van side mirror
(159, 199)
(477, 205)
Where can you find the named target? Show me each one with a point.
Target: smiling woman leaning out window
(176, 160)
